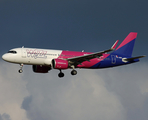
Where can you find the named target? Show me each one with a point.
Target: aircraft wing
(78, 60)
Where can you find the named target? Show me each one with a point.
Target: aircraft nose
(5, 57)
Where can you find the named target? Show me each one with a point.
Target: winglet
(114, 45)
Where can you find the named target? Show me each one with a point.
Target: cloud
(26, 102)
(107, 94)
(4, 117)
(74, 97)
(12, 92)
(130, 85)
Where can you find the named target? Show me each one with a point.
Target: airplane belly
(34, 61)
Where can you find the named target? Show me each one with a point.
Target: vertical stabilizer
(126, 47)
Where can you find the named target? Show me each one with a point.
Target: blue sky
(72, 25)
(119, 93)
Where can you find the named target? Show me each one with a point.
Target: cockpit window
(12, 51)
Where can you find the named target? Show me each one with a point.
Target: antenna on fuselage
(82, 50)
(22, 46)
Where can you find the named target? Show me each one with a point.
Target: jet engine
(41, 68)
(59, 64)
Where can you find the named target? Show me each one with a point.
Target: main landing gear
(20, 70)
(61, 74)
(73, 72)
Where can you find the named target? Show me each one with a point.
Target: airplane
(43, 60)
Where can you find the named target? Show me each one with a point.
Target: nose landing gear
(20, 70)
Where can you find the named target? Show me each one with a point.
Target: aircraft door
(23, 52)
(113, 59)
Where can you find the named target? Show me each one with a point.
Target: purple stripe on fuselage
(112, 60)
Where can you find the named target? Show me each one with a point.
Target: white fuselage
(31, 56)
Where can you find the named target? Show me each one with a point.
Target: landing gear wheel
(61, 74)
(73, 72)
(20, 71)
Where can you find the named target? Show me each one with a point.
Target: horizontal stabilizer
(133, 58)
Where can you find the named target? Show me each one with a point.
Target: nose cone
(5, 57)
(9, 57)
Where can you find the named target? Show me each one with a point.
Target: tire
(20, 71)
(73, 72)
(61, 74)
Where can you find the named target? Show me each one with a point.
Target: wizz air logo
(35, 53)
(113, 57)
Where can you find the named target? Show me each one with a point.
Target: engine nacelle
(41, 68)
(59, 64)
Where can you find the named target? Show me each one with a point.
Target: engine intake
(41, 68)
(59, 64)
